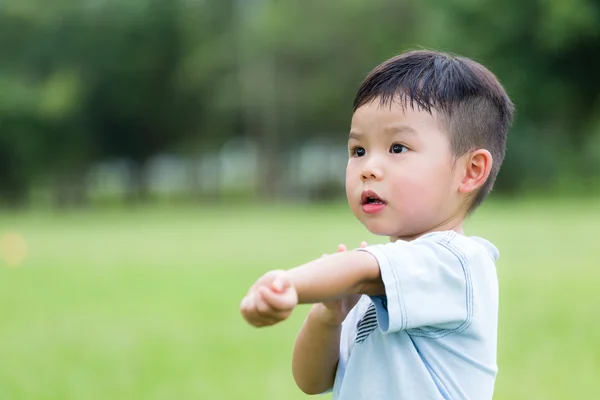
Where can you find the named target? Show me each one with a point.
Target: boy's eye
(398, 148)
(358, 151)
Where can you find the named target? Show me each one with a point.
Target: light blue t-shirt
(434, 334)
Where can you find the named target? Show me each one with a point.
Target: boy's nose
(371, 172)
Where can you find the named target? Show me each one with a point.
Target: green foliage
(86, 81)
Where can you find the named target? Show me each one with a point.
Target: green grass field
(143, 304)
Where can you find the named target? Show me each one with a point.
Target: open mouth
(370, 197)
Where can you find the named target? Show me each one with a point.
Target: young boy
(415, 318)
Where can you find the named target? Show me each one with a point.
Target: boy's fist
(270, 300)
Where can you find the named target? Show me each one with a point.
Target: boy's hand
(335, 312)
(270, 300)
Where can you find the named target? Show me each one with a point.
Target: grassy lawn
(143, 304)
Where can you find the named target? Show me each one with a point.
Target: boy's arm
(317, 347)
(316, 352)
(273, 297)
(329, 278)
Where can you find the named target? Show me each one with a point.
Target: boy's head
(428, 137)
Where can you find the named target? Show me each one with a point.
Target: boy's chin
(379, 229)
(391, 232)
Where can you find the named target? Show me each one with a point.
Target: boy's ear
(478, 165)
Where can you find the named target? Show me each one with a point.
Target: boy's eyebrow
(393, 129)
(354, 135)
(400, 129)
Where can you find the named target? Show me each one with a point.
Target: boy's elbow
(312, 386)
(313, 389)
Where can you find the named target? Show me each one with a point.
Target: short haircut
(472, 104)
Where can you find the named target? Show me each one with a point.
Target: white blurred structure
(306, 173)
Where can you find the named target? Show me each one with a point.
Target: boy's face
(400, 180)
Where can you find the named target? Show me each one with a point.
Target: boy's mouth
(371, 202)
(370, 197)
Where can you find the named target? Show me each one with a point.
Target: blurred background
(157, 156)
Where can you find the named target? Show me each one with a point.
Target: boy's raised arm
(328, 278)
(273, 297)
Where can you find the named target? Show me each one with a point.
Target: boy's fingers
(279, 302)
(363, 244)
(269, 312)
(253, 311)
(262, 307)
(247, 309)
(243, 306)
(281, 282)
(341, 248)
(248, 306)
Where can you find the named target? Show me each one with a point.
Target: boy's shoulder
(443, 244)
(440, 269)
(460, 245)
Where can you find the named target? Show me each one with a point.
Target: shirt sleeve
(427, 286)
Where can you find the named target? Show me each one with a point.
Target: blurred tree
(84, 81)
(39, 101)
(208, 81)
(134, 104)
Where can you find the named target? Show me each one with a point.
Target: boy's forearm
(337, 275)
(316, 354)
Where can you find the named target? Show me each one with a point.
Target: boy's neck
(452, 225)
